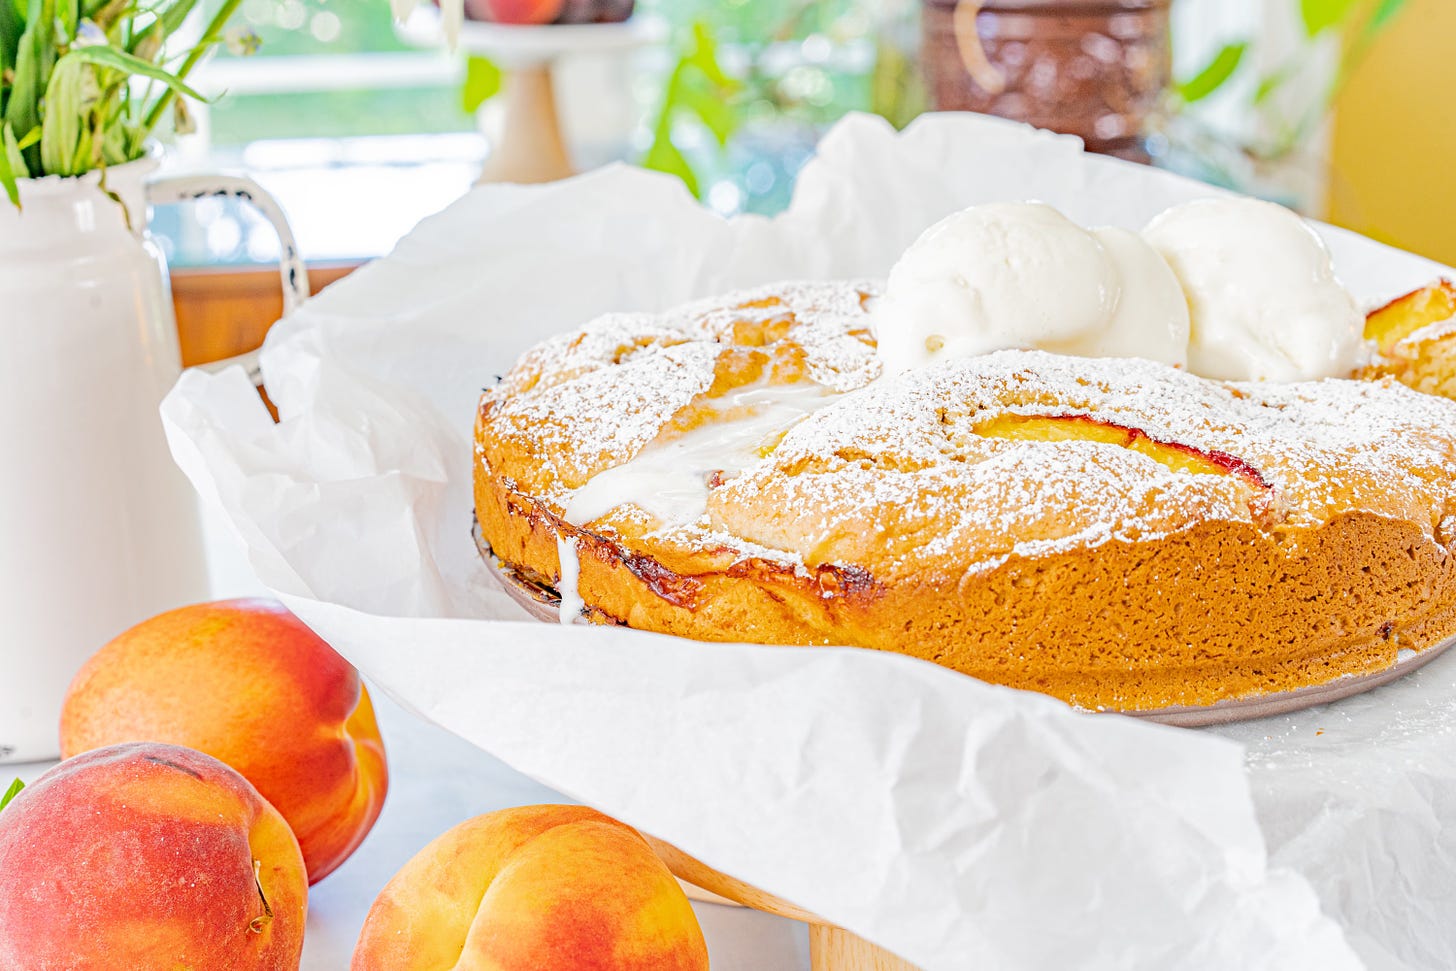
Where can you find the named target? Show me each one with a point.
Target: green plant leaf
(1214, 74)
(707, 103)
(84, 157)
(11, 793)
(1320, 15)
(12, 165)
(211, 37)
(33, 63)
(148, 44)
(1384, 15)
(60, 132)
(663, 156)
(129, 64)
(482, 82)
(1272, 81)
(108, 15)
(896, 92)
(701, 88)
(116, 143)
(704, 57)
(12, 27)
(172, 18)
(67, 19)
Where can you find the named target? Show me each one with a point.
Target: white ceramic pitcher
(98, 528)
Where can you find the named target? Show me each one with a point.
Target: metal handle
(292, 273)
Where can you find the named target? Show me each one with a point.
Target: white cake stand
(530, 147)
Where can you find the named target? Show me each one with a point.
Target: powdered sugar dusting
(590, 400)
(585, 423)
(898, 468)
(903, 462)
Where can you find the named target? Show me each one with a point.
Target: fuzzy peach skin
(246, 682)
(540, 888)
(145, 856)
(524, 11)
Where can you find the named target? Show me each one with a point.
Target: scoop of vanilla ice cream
(1022, 275)
(1262, 292)
(1151, 318)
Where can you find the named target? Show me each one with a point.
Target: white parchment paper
(958, 824)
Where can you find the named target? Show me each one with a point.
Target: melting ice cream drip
(568, 587)
(669, 479)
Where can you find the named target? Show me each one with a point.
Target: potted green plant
(67, 97)
(100, 529)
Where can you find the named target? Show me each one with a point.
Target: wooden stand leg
(530, 147)
(833, 949)
(830, 948)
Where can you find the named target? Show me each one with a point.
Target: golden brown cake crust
(1116, 533)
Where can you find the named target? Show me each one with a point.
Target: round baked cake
(1115, 532)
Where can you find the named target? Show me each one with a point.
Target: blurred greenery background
(814, 93)
(737, 96)
(795, 67)
(292, 28)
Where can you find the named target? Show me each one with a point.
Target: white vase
(98, 528)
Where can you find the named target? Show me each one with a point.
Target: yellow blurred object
(1395, 136)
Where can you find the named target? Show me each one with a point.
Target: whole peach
(148, 856)
(246, 682)
(523, 11)
(540, 888)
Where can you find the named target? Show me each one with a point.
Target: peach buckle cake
(1112, 530)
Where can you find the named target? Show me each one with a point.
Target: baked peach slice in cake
(1415, 339)
(1068, 428)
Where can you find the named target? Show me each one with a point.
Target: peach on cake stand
(530, 147)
